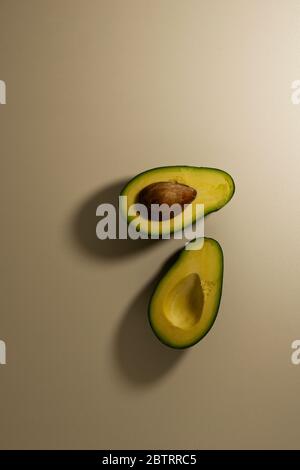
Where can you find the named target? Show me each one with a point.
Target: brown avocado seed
(166, 192)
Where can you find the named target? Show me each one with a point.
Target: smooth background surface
(98, 91)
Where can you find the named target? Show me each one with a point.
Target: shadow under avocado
(84, 227)
(140, 356)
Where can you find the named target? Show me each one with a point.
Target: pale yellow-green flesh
(186, 301)
(214, 189)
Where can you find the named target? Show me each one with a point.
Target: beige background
(98, 91)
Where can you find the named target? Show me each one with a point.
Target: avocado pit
(169, 193)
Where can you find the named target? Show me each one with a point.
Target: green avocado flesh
(185, 303)
(213, 188)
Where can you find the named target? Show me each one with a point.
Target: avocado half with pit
(185, 303)
(184, 186)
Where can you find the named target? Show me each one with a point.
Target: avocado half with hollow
(185, 303)
(181, 185)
